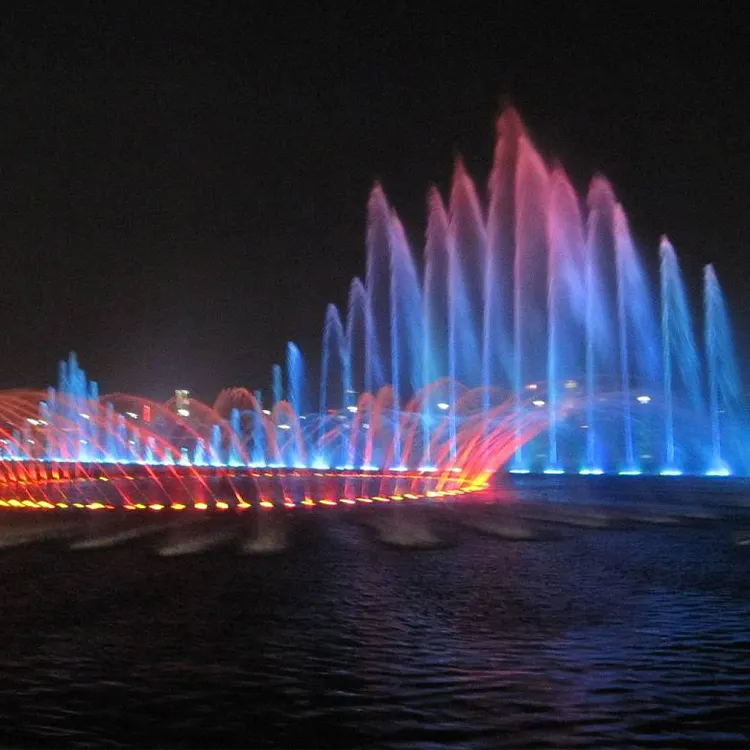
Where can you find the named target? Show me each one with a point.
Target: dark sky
(182, 191)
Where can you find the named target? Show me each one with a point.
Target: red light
(146, 413)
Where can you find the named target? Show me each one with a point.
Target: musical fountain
(530, 339)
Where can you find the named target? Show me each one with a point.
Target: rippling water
(615, 637)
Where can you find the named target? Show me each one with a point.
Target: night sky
(183, 191)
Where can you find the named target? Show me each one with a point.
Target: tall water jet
(295, 377)
(678, 351)
(377, 283)
(436, 308)
(355, 332)
(622, 248)
(406, 328)
(500, 257)
(334, 353)
(724, 390)
(598, 336)
(667, 254)
(564, 299)
(234, 445)
(529, 277)
(469, 241)
(278, 384)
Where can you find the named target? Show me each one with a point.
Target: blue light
(671, 472)
(426, 469)
(630, 472)
(518, 471)
(553, 470)
(720, 471)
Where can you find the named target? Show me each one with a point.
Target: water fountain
(531, 340)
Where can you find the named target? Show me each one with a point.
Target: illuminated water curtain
(526, 336)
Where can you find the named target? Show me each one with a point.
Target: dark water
(636, 636)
